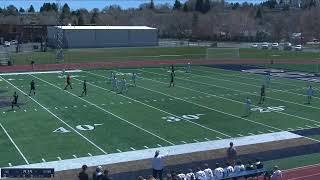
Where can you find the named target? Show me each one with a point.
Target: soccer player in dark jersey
(262, 94)
(84, 91)
(172, 70)
(32, 88)
(15, 101)
(68, 82)
(171, 79)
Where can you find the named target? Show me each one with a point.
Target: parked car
(265, 45)
(298, 47)
(14, 42)
(275, 46)
(255, 45)
(287, 46)
(6, 44)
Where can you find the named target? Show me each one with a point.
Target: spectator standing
(208, 172)
(157, 165)
(277, 174)
(200, 175)
(231, 154)
(190, 175)
(97, 175)
(83, 174)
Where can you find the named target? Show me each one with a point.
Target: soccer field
(206, 104)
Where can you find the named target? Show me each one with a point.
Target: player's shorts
(68, 82)
(33, 88)
(14, 102)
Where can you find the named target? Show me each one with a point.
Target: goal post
(222, 53)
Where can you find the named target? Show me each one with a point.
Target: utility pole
(59, 35)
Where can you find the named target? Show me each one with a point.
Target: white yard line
(15, 145)
(200, 125)
(57, 117)
(151, 133)
(228, 98)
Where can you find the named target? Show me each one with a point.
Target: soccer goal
(222, 53)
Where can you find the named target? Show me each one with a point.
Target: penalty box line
(54, 115)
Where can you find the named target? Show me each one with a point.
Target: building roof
(104, 27)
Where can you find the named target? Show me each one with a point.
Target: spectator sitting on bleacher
(97, 175)
(200, 175)
(208, 172)
(190, 175)
(181, 176)
(106, 175)
(249, 167)
(83, 175)
(218, 171)
(228, 169)
(277, 174)
(259, 164)
(238, 167)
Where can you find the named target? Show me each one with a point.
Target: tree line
(195, 19)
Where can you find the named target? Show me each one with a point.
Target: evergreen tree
(94, 16)
(259, 13)
(31, 9)
(206, 6)
(12, 10)
(185, 7)
(177, 5)
(80, 20)
(21, 10)
(199, 5)
(65, 11)
(151, 5)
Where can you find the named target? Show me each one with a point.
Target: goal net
(222, 53)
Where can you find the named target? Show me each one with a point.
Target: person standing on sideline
(262, 94)
(157, 165)
(83, 174)
(309, 94)
(134, 77)
(277, 174)
(231, 154)
(15, 101)
(68, 82)
(248, 104)
(171, 79)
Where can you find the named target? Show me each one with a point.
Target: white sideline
(172, 150)
(39, 72)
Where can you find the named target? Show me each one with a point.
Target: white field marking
(103, 104)
(66, 107)
(119, 150)
(59, 158)
(14, 111)
(317, 125)
(43, 160)
(300, 128)
(89, 154)
(55, 108)
(240, 135)
(106, 111)
(195, 140)
(129, 102)
(309, 126)
(260, 132)
(221, 79)
(84, 105)
(133, 149)
(25, 110)
(56, 116)
(15, 145)
(303, 177)
(154, 100)
(270, 131)
(184, 142)
(10, 165)
(290, 129)
(159, 109)
(222, 112)
(146, 147)
(121, 102)
(212, 95)
(35, 110)
(218, 137)
(159, 145)
(239, 76)
(3, 112)
(251, 133)
(97, 124)
(75, 106)
(39, 72)
(74, 156)
(207, 139)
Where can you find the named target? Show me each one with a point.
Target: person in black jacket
(83, 175)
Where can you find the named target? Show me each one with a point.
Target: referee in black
(171, 79)
(15, 101)
(84, 91)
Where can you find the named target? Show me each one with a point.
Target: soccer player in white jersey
(228, 169)
(218, 171)
(190, 175)
(188, 68)
(134, 77)
(124, 87)
(200, 175)
(248, 105)
(309, 94)
(208, 172)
